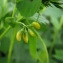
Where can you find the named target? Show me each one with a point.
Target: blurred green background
(51, 21)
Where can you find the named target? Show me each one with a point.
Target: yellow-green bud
(18, 36)
(25, 37)
(36, 25)
(31, 32)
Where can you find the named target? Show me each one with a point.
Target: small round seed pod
(18, 36)
(25, 37)
(31, 32)
(36, 25)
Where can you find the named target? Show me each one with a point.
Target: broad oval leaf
(28, 7)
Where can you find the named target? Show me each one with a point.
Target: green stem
(43, 44)
(52, 45)
(2, 35)
(20, 23)
(38, 16)
(11, 44)
(9, 27)
(42, 11)
(14, 10)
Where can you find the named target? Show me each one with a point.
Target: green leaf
(33, 47)
(3, 8)
(59, 55)
(42, 56)
(53, 11)
(55, 23)
(28, 7)
(41, 53)
(61, 22)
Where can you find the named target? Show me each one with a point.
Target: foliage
(31, 31)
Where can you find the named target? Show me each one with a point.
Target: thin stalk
(7, 29)
(2, 35)
(20, 23)
(43, 44)
(44, 8)
(38, 16)
(12, 38)
(14, 10)
(52, 45)
(11, 45)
